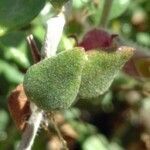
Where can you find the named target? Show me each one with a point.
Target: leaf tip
(127, 52)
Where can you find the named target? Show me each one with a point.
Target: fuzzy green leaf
(54, 83)
(58, 3)
(100, 70)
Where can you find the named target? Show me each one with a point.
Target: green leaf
(14, 47)
(115, 146)
(53, 83)
(66, 44)
(4, 119)
(143, 38)
(18, 13)
(118, 8)
(77, 4)
(83, 129)
(95, 142)
(58, 3)
(11, 73)
(100, 70)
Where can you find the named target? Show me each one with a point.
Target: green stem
(64, 143)
(105, 13)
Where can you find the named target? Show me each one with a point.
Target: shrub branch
(53, 35)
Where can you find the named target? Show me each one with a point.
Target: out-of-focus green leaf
(77, 4)
(115, 146)
(95, 142)
(14, 13)
(58, 3)
(18, 56)
(143, 38)
(66, 44)
(15, 48)
(123, 80)
(72, 113)
(145, 112)
(11, 73)
(74, 27)
(95, 12)
(39, 32)
(106, 103)
(3, 119)
(118, 8)
(84, 130)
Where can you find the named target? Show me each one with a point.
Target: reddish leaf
(143, 67)
(19, 107)
(138, 66)
(98, 39)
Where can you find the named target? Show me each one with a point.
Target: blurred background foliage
(117, 120)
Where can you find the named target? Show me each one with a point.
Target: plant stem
(105, 13)
(64, 143)
(32, 128)
(53, 35)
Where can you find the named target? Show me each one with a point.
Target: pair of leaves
(54, 83)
